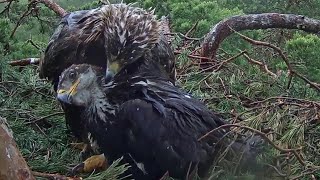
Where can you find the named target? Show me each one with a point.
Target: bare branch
(7, 8)
(24, 62)
(54, 176)
(255, 21)
(284, 58)
(53, 6)
(262, 66)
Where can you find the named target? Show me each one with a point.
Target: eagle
(142, 116)
(73, 43)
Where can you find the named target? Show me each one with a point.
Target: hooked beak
(112, 70)
(66, 95)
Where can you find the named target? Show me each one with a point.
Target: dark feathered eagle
(81, 38)
(135, 111)
(145, 118)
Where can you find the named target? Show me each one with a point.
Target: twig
(7, 8)
(287, 98)
(191, 56)
(44, 117)
(33, 44)
(184, 36)
(25, 14)
(277, 170)
(54, 176)
(312, 84)
(311, 171)
(282, 55)
(230, 59)
(262, 66)
(192, 29)
(263, 135)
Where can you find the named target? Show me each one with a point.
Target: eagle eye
(72, 75)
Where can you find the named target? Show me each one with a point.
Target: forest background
(266, 97)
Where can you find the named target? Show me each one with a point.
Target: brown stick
(263, 135)
(284, 58)
(224, 28)
(54, 176)
(24, 62)
(262, 66)
(54, 7)
(12, 165)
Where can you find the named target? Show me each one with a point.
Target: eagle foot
(85, 148)
(96, 162)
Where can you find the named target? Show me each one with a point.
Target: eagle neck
(100, 108)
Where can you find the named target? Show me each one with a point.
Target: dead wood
(24, 62)
(13, 165)
(227, 27)
(53, 6)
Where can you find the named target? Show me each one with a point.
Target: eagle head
(129, 33)
(76, 84)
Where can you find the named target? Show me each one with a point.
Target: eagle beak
(66, 95)
(112, 70)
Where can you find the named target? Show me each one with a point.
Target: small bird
(147, 119)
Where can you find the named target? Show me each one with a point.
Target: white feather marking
(150, 82)
(141, 167)
(141, 83)
(122, 38)
(142, 46)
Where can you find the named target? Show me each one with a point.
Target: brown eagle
(135, 111)
(81, 37)
(153, 124)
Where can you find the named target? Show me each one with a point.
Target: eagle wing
(66, 47)
(171, 138)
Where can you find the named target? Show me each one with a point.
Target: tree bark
(254, 21)
(54, 6)
(12, 164)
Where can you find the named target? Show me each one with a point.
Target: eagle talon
(85, 148)
(96, 162)
(76, 169)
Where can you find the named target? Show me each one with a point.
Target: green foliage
(187, 13)
(277, 6)
(304, 52)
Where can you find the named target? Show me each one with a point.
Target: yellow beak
(66, 95)
(112, 69)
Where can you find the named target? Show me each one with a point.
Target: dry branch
(255, 21)
(24, 62)
(54, 176)
(264, 67)
(12, 165)
(263, 135)
(53, 6)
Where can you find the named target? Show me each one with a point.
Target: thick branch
(53, 6)
(255, 21)
(12, 165)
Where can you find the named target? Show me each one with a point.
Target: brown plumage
(93, 36)
(85, 37)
